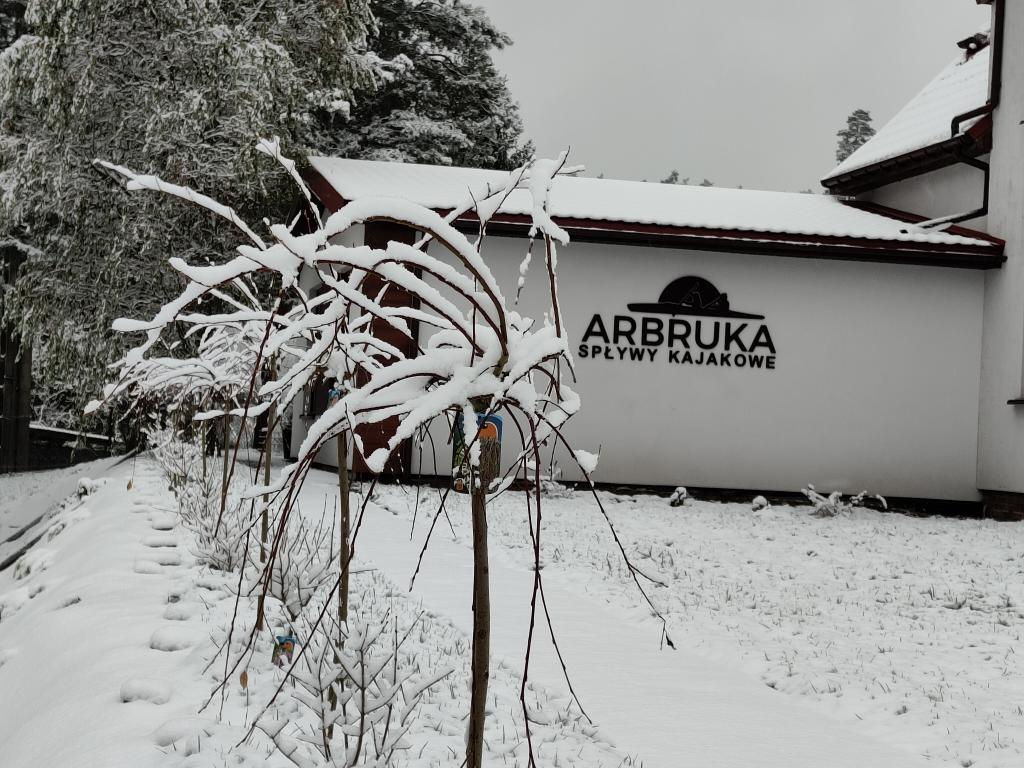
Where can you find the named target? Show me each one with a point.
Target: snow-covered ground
(108, 636)
(28, 495)
(905, 628)
(862, 640)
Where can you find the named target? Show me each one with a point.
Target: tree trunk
(345, 522)
(343, 556)
(202, 450)
(268, 446)
(226, 431)
(481, 660)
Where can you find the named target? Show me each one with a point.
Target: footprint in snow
(172, 637)
(145, 689)
(159, 540)
(33, 561)
(65, 519)
(182, 611)
(161, 522)
(211, 584)
(185, 734)
(152, 562)
(165, 557)
(11, 602)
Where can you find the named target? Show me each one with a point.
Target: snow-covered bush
(834, 504)
(551, 485)
(87, 486)
(220, 541)
(220, 536)
(356, 698)
(301, 567)
(679, 497)
(759, 503)
(862, 499)
(177, 459)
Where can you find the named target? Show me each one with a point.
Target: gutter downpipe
(994, 89)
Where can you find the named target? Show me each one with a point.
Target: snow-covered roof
(925, 120)
(715, 211)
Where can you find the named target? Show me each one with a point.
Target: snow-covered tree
(440, 99)
(482, 358)
(675, 178)
(178, 88)
(856, 133)
(12, 21)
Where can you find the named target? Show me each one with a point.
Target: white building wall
(876, 381)
(947, 191)
(1001, 426)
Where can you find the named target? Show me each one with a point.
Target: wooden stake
(344, 533)
(481, 656)
(226, 430)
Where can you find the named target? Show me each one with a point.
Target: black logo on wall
(692, 296)
(702, 329)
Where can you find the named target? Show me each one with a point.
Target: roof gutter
(994, 88)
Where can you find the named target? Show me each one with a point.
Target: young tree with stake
(480, 356)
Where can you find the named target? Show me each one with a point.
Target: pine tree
(178, 89)
(674, 178)
(855, 135)
(439, 98)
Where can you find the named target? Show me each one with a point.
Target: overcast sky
(743, 92)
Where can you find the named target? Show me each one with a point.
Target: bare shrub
(357, 697)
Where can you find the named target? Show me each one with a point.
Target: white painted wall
(876, 384)
(947, 191)
(1001, 426)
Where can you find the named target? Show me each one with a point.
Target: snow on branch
(480, 350)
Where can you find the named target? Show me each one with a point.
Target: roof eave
(976, 141)
(987, 256)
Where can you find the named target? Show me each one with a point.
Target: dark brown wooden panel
(375, 436)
